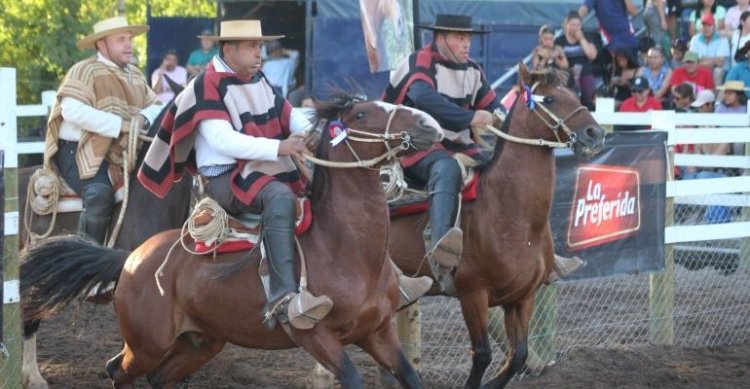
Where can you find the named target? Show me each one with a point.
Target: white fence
(701, 299)
(10, 368)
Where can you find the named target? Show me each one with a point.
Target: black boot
(278, 236)
(98, 202)
(444, 185)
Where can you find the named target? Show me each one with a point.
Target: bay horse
(210, 302)
(146, 215)
(508, 247)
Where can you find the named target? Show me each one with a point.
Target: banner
(387, 26)
(609, 210)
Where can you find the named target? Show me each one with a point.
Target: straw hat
(241, 30)
(734, 85)
(107, 27)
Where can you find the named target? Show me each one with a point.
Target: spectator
(655, 18)
(674, 12)
(707, 7)
(624, 68)
(280, 66)
(168, 71)
(734, 99)
(658, 74)
(741, 70)
(732, 20)
(645, 43)
(617, 31)
(679, 48)
(704, 102)
(547, 53)
(200, 57)
(712, 49)
(682, 97)
(690, 72)
(641, 101)
(739, 37)
(580, 52)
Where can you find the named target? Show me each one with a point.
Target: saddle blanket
(418, 203)
(243, 234)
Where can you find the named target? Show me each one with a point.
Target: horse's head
(373, 129)
(557, 113)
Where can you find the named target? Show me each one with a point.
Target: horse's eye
(548, 100)
(359, 115)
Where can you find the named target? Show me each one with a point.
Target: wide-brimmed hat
(107, 27)
(241, 30)
(734, 85)
(453, 23)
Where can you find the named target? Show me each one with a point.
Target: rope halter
(366, 137)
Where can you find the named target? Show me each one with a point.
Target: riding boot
(284, 303)
(410, 288)
(98, 202)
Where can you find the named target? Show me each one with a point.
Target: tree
(38, 37)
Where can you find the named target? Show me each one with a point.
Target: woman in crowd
(659, 75)
(707, 6)
(547, 53)
(624, 68)
(739, 37)
(679, 48)
(579, 53)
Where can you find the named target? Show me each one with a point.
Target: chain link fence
(707, 304)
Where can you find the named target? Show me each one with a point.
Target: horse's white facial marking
(425, 117)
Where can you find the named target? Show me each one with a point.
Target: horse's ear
(523, 73)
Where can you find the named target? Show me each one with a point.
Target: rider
(240, 130)
(443, 81)
(97, 101)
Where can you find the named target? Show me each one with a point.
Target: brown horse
(508, 248)
(146, 215)
(208, 302)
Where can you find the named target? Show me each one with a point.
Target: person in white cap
(704, 101)
(98, 102)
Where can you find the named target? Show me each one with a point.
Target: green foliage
(38, 37)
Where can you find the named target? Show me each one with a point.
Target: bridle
(549, 118)
(368, 137)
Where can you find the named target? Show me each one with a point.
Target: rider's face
(457, 45)
(244, 57)
(117, 47)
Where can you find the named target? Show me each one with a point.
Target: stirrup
(562, 267)
(448, 250)
(305, 310)
(411, 289)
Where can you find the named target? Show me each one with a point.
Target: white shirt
(78, 116)
(178, 74)
(218, 143)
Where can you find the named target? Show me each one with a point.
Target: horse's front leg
(474, 307)
(327, 349)
(385, 348)
(517, 329)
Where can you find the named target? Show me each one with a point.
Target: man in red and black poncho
(443, 81)
(231, 126)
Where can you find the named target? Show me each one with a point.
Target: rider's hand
(290, 146)
(140, 120)
(481, 119)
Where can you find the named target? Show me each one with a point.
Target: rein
(552, 121)
(368, 137)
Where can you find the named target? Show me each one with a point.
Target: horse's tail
(58, 270)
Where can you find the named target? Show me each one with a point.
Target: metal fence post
(10, 371)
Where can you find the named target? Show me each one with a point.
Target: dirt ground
(72, 354)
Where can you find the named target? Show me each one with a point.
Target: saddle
(48, 192)
(242, 233)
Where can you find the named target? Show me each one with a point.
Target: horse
(209, 302)
(145, 216)
(508, 247)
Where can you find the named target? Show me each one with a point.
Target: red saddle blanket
(419, 205)
(244, 236)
